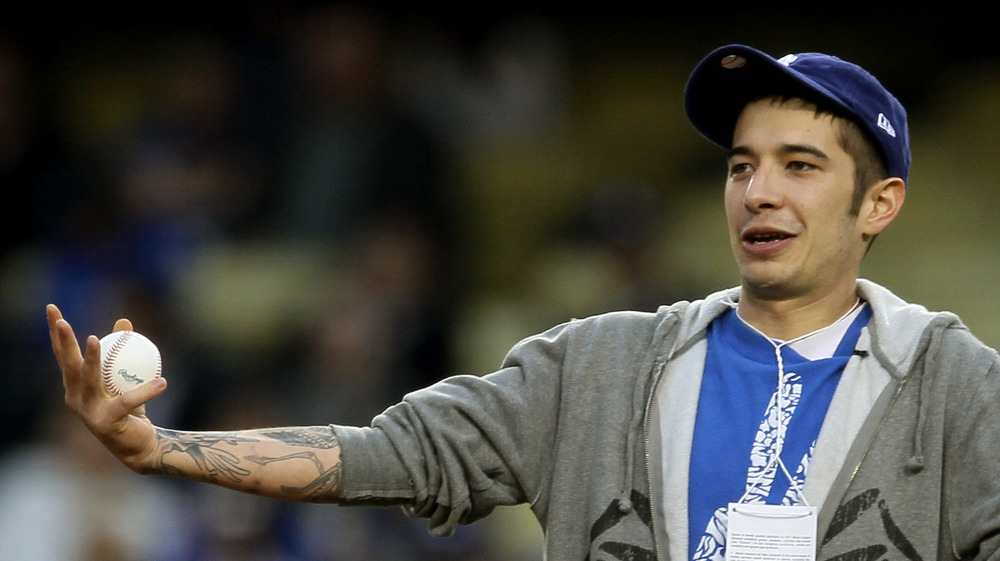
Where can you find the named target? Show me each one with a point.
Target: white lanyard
(780, 404)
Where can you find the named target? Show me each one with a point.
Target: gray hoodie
(591, 424)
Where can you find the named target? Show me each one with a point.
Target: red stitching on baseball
(112, 353)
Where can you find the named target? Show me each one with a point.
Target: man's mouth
(766, 241)
(765, 237)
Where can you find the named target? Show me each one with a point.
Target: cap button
(730, 62)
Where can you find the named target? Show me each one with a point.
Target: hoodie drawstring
(928, 348)
(916, 462)
(635, 428)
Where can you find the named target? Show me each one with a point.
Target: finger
(65, 347)
(122, 325)
(52, 313)
(91, 383)
(63, 340)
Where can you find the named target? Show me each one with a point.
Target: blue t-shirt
(737, 424)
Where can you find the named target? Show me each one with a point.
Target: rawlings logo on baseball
(128, 359)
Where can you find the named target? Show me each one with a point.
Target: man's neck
(790, 318)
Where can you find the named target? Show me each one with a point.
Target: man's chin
(769, 288)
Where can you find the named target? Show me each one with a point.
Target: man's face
(788, 200)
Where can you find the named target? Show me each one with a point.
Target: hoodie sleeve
(455, 450)
(972, 486)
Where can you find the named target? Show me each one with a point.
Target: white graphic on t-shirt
(762, 470)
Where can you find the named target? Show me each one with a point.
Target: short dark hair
(869, 165)
(869, 162)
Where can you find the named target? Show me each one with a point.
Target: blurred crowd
(310, 218)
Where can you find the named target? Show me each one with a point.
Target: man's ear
(882, 204)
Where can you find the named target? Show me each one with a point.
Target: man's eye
(800, 166)
(737, 170)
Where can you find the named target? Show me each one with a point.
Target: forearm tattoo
(210, 453)
(326, 483)
(206, 452)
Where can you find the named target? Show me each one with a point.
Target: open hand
(119, 422)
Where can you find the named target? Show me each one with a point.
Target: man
(820, 396)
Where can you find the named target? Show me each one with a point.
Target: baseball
(128, 359)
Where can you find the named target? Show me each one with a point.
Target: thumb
(137, 397)
(123, 325)
(147, 391)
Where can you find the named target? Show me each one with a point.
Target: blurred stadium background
(313, 208)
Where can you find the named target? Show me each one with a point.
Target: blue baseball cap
(732, 76)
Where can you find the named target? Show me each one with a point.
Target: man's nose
(763, 191)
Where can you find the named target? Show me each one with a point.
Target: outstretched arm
(295, 463)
